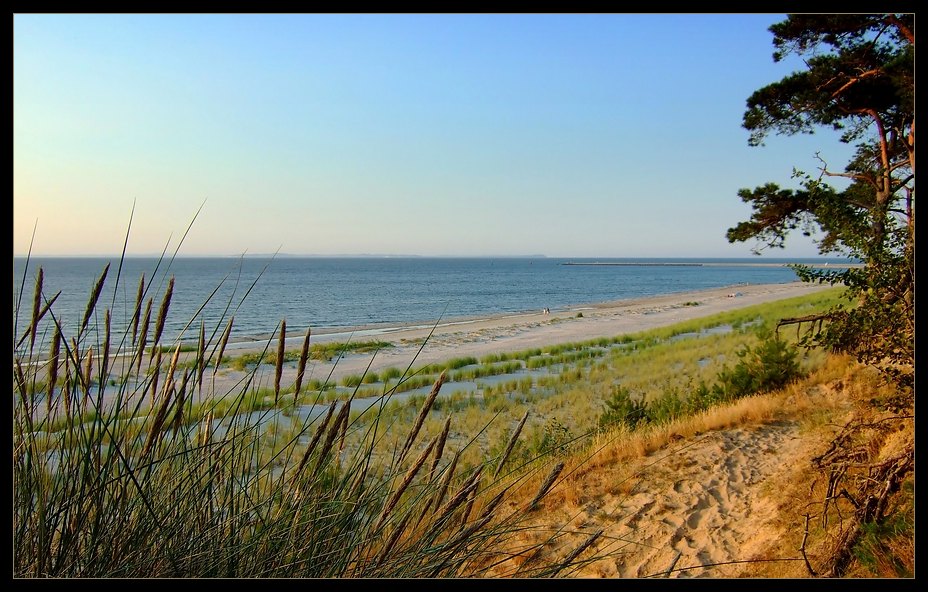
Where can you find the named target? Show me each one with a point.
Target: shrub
(667, 407)
(704, 396)
(771, 365)
(555, 439)
(622, 408)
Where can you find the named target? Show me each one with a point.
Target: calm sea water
(339, 293)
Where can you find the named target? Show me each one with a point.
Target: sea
(343, 296)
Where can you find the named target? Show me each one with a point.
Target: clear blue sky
(566, 135)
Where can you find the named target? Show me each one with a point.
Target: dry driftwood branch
(798, 321)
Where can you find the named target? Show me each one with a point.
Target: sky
(567, 135)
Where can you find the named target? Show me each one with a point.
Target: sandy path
(707, 506)
(703, 502)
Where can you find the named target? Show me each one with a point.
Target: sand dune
(703, 506)
(713, 505)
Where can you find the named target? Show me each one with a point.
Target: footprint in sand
(693, 521)
(705, 511)
(632, 520)
(674, 522)
(720, 495)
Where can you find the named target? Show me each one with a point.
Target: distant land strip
(712, 264)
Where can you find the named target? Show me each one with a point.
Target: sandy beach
(507, 333)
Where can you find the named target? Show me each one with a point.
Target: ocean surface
(340, 293)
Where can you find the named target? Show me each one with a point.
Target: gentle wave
(369, 296)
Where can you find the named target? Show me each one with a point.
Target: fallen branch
(798, 321)
(884, 479)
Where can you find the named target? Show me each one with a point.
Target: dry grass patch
(814, 509)
(613, 465)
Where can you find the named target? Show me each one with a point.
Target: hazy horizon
(469, 135)
(759, 259)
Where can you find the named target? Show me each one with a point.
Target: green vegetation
(859, 79)
(885, 545)
(770, 365)
(672, 377)
(569, 359)
(497, 357)
(555, 438)
(181, 347)
(452, 364)
(623, 408)
(143, 470)
(352, 380)
(320, 351)
(390, 374)
(486, 370)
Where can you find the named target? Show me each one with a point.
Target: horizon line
(408, 256)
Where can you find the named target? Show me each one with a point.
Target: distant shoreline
(708, 264)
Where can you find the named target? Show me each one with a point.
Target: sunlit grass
(142, 468)
(136, 466)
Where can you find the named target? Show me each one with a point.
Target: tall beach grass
(128, 463)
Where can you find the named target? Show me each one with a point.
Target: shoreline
(513, 331)
(430, 343)
(421, 344)
(384, 330)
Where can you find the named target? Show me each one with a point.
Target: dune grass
(652, 365)
(318, 351)
(127, 463)
(135, 466)
(657, 367)
(673, 376)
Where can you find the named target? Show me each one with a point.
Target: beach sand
(516, 332)
(701, 507)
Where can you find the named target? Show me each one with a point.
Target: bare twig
(802, 547)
